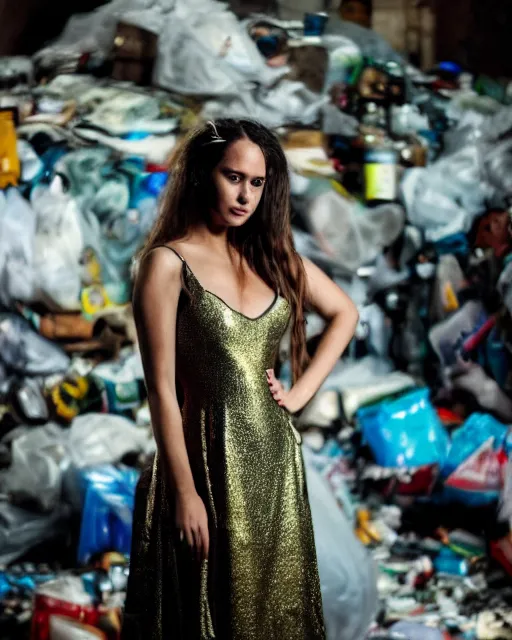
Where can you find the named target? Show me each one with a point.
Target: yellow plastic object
(365, 530)
(10, 169)
(450, 301)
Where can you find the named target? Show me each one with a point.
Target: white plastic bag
(58, 246)
(446, 197)
(101, 438)
(347, 573)
(17, 231)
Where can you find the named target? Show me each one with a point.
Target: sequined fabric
(261, 578)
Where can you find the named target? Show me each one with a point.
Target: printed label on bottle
(380, 175)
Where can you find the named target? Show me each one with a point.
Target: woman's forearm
(170, 439)
(334, 341)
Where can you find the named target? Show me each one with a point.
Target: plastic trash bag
(20, 530)
(354, 234)
(17, 231)
(108, 511)
(473, 470)
(99, 438)
(58, 246)
(203, 45)
(405, 432)
(25, 352)
(39, 458)
(348, 577)
(446, 197)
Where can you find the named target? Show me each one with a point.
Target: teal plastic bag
(405, 432)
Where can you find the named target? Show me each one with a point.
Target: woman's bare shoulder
(159, 266)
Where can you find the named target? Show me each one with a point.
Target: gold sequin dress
(260, 581)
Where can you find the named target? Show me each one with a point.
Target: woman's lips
(239, 212)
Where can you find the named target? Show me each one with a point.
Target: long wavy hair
(265, 240)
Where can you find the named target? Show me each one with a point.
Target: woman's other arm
(341, 315)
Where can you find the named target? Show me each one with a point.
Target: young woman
(223, 543)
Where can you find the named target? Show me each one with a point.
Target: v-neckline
(262, 315)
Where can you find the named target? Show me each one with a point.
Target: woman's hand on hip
(284, 398)
(192, 523)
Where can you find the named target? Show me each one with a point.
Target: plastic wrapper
(64, 597)
(107, 514)
(405, 432)
(347, 574)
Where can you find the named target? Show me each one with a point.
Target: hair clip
(215, 135)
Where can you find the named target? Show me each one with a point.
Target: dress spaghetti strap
(171, 249)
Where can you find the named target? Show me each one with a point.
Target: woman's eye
(234, 178)
(257, 183)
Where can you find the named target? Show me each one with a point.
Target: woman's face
(239, 179)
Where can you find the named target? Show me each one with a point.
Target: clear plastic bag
(20, 530)
(354, 234)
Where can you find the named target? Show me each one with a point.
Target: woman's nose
(243, 197)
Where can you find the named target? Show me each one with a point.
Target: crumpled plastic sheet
(286, 103)
(193, 58)
(20, 530)
(348, 576)
(25, 352)
(43, 457)
(354, 234)
(446, 197)
(39, 458)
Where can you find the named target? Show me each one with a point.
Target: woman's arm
(155, 304)
(341, 315)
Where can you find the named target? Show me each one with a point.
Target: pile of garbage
(400, 192)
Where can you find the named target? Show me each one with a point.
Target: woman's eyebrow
(241, 173)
